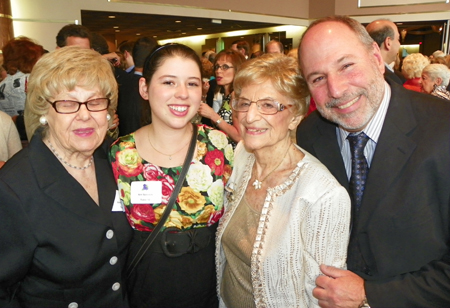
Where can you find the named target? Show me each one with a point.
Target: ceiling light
(199, 28)
(111, 16)
(155, 36)
(216, 21)
(117, 30)
(177, 21)
(116, 27)
(138, 34)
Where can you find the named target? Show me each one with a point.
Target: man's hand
(113, 58)
(339, 288)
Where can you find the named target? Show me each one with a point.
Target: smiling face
(80, 132)
(174, 92)
(426, 83)
(345, 79)
(262, 132)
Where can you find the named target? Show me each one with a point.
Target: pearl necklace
(66, 163)
(257, 184)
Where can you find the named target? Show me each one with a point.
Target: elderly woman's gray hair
(284, 74)
(435, 71)
(62, 70)
(413, 65)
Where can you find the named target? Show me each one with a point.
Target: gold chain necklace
(170, 155)
(257, 184)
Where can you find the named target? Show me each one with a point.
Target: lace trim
(256, 261)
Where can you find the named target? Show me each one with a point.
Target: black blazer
(57, 246)
(393, 76)
(130, 104)
(403, 226)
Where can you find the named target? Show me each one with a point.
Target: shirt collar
(373, 128)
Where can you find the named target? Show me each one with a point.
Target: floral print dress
(200, 201)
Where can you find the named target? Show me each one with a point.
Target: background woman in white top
(285, 214)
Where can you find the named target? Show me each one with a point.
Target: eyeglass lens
(223, 67)
(265, 106)
(68, 106)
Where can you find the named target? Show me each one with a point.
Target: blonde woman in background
(412, 67)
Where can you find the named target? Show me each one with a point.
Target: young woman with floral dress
(151, 159)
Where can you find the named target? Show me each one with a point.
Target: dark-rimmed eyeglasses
(265, 105)
(224, 67)
(68, 106)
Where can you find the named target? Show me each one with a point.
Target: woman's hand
(207, 112)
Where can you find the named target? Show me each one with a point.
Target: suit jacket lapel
(59, 185)
(105, 179)
(327, 151)
(393, 150)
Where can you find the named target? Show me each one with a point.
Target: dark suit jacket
(130, 104)
(388, 74)
(403, 227)
(209, 100)
(56, 245)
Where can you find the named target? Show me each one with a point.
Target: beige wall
(41, 20)
(286, 8)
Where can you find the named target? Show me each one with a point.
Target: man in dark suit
(385, 33)
(398, 253)
(132, 109)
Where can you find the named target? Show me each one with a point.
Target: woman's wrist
(218, 121)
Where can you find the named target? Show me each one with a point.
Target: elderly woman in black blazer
(63, 238)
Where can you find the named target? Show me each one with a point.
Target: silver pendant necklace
(257, 184)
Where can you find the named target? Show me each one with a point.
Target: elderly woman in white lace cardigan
(285, 214)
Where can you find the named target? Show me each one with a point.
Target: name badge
(146, 192)
(118, 205)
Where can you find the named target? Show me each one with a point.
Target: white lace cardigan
(304, 222)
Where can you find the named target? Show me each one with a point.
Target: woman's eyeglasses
(224, 67)
(68, 106)
(265, 106)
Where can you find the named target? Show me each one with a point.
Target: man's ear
(376, 53)
(387, 43)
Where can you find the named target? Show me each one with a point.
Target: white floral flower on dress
(199, 177)
(215, 193)
(229, 153)
(218, 139)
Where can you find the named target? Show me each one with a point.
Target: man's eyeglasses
(265, 106)
(224, 67)
(68, 106)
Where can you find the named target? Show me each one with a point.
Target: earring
(108, 117)
(43, 120)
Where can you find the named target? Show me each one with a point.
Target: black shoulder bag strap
(151, 238)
